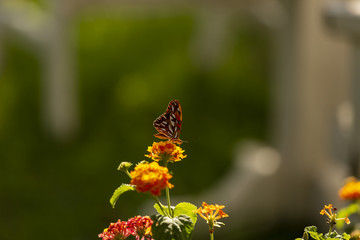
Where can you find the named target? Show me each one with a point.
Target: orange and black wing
(169, 123)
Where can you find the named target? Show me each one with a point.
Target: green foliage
(120, 190)
(162, 208)
(311, 231)
(346, 211)
(185, 208)
(177, 228)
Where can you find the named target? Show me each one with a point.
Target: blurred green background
(127, 72)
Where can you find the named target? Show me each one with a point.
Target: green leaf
(305, 236)
(333, 236)
(312, 231)
(120, 190)
(346, 236)
(177, 228)
(347, 211)
(185, 208)
(317, 236)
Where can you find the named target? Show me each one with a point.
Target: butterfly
(169, 123)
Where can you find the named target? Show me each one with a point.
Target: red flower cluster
(118, 230)
(138, 226)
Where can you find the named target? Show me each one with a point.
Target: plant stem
(156, 199)
(127, 173)
(168, 201)
(331, 228)
(211, 235)
(168, 197)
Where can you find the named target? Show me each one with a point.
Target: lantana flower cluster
(211, 213)
(138, 226)
(351, 190)
(165, 151)
(330, 212)
(150, 177)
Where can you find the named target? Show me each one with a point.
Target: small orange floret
(347, 220)
(329, 207)
(328, 211)
(150, 177)
(222, 214)
(165, 151)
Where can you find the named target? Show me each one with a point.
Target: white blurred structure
(50, 34)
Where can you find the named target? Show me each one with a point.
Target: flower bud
(124, 166)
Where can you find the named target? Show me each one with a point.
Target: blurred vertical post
(344, 18)
(211, 37)
(310, 75)
(60, 91)
(355, 141)
(1, 49)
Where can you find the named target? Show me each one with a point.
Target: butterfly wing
(169, 123)
(175, 117)
(162, 125)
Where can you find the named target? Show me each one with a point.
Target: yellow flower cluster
(330, 211)
(351, 190)
(150, 177)
(165, 151)
(211, 213)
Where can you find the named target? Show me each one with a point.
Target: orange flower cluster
(330, 211)
(138, 226)
(165, 151)
(351, 190)
(211, 213)
(150, 177)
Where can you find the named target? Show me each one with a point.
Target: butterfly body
(168, 124)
